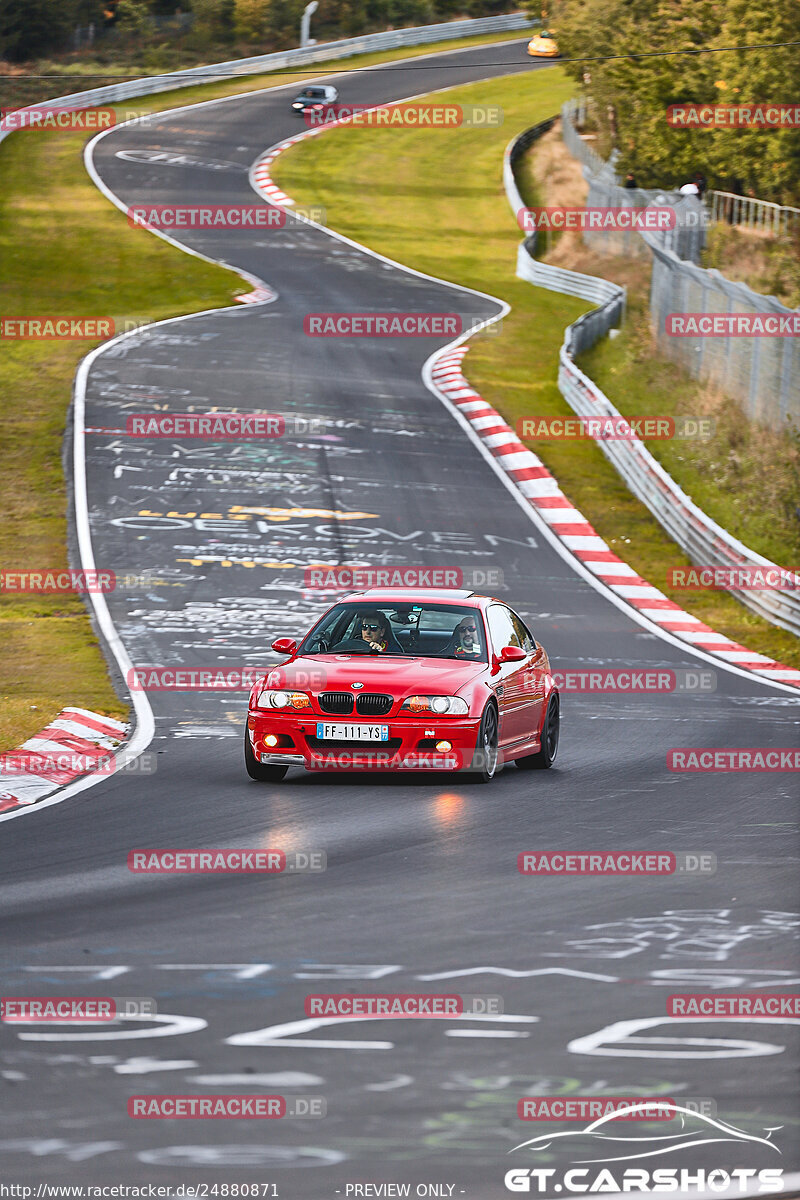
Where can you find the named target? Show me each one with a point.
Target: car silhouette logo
(356, 685)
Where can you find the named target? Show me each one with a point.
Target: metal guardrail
(703, 540)
(760, 215)
(391, 39)
(584, 332)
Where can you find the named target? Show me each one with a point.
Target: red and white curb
(74, 732)
(542, 492)
(259, 295)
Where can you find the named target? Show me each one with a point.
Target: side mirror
(512, 654)
(284, 645)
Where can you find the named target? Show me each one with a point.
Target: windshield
(420, 630)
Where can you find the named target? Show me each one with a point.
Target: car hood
(379, 673)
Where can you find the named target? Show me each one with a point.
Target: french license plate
(352, 733)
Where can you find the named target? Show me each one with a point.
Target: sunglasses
(372, 628)
(469, 629)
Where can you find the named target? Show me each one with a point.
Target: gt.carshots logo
(692, 1128)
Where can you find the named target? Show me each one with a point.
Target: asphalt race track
(421, 891)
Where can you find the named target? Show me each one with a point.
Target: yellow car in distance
(543, 45)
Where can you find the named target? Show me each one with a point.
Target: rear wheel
(484, 762)
(550, 730)
(262, 772)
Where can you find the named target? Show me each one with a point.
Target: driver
(374, 630)
(465, 642)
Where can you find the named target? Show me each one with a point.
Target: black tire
(261, 772)
(550, 731)
(486, 757)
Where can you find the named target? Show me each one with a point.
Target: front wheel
(484, 762)
(550, 730)
(262, 772)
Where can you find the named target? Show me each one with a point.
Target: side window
(524, 635)
(501, 628)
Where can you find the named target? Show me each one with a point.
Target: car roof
(393, 595)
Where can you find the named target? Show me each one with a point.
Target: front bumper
(411, 744)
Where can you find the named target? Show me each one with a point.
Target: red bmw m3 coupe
(406, 679)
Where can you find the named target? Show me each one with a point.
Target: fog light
(270, 740)
(444, 746)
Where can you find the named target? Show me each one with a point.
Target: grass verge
(411, 198)
(65, 250)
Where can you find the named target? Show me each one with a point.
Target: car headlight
(280, 699)
(452, 706)
(297, 105)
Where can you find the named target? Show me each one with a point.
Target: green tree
(213, 20)
(250, 19)
(630, 95)
(132, 16)
(31, 28)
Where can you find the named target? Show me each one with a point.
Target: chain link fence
(704, 541)
(761, 372)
